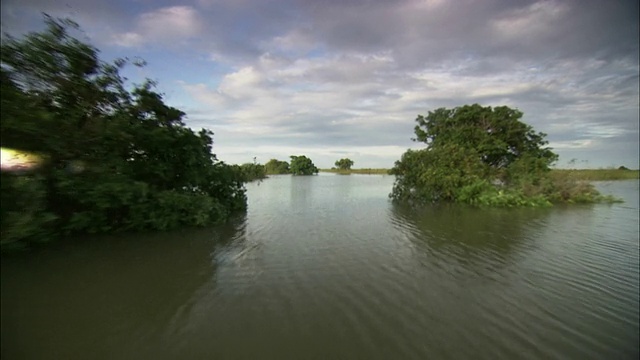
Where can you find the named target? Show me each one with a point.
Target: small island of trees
(483, 156)
(344, 164)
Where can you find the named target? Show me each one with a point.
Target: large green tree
(276, 167)
(344, 164)
(114, 159)
(497, 134)
(302, 165)
(477, 154)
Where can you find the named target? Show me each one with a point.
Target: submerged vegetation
(483, 156)
(113, 159)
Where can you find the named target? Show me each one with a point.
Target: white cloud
(165, 25)
(572, 144)
(129, 39)
(532, 21)
(244, 83)
(296, 42)
(315, 99)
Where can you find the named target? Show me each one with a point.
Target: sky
(347, 78)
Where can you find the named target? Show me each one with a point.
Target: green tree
(479, 155)
(344, 164)
(302, 165)
(252, 171)
(114, 159)
(276, 167)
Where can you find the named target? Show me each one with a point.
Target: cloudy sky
(347, 78)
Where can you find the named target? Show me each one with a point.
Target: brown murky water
(325, 267)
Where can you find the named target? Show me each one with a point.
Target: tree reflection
(470, 235)
(109, 296)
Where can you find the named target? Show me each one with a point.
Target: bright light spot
(14, 160)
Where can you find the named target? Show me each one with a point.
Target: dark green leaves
(302, 165)
(276, 167)
(115, 159)
(344, 164)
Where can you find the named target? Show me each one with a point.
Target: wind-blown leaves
(115, 159)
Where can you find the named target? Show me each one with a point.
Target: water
(324, 267)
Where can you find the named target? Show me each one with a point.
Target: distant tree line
(300, 165)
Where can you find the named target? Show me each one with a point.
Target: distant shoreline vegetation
(575, 174)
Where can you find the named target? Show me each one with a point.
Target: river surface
(325, 267)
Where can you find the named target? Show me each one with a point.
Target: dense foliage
(114, 159)
(344, 164)
(252, 171)
(276, 167)
(482, 155)
(302, 165)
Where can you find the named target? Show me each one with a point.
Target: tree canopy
(497, 134)
(480, 155)
(252, 171)
(114, 159)
(302, 165)
(276, 167)
(344, 164)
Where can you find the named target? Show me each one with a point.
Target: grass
(595, 174)
(367, 171)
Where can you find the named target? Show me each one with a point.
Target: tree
(302, 165)
(252, 171)
(276, 167)
(477, 154)
(114, 159)
(496, 133)
(344, 164)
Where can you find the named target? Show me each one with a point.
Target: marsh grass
(595, 174)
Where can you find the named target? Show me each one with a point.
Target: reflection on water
(544, 279)
(325, 267)
(470, 232)
(110, 297)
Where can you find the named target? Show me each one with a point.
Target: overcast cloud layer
(347, 78)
